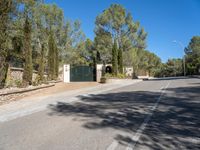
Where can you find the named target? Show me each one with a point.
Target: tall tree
(52, 57)
(115, 23)
(74, 50)
(42, 63)
(193, 56)
(137, 51)
(114, 58)
(56, 62)
(112, 24)
(120, 61)
(91, 53)
(103, 45)
(148, 62)
(153, 63)
(27, 30)
(49, 22)
(39, 40)
(28, 68)
(5, 10)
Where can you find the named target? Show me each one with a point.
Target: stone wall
(15, 73)
(15, 76)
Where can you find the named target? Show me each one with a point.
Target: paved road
(149, 115)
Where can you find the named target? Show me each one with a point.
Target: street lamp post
(182, 47)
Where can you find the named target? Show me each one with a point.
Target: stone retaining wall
(15, 76)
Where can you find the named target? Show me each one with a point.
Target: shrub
(35, 83)
(38, 80)
(18, 83)
(121, 76)
(108, 75)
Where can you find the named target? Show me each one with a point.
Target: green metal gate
(82, 73)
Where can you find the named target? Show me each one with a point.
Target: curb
(26, 90)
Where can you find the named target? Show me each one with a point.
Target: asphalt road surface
(149, 115)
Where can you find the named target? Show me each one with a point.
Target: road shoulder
(29, 105)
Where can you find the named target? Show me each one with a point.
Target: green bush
(103, 80)
(120, 76)
(38, 80)
(10, 83)
(18, 83)
(35, 83)
(108, 75)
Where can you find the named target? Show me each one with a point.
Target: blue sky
(164, 20)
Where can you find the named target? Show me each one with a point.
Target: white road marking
(139, 132)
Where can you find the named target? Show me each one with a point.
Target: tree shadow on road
(174, 124)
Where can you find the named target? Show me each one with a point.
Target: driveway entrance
(82, 73)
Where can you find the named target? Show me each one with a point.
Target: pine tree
(28, 67)
(114, 59)
(52, 57)
(41, 64)
(56, 62)
(120, 61)
(5, 10)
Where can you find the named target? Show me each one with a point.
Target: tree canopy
(115, 29)
(193, 56)
(36, 36)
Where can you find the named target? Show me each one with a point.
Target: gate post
(66, 73)
(98, 72)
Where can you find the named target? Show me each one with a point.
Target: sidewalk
(31, 105)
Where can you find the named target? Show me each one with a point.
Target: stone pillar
(66, 73)
(98, 72)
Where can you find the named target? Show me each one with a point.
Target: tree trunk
(41, 65)
(120, 61)
(52, 57)
(28, 67)
(114, 59)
